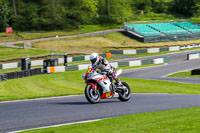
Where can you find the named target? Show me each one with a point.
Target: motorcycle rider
(98, 62)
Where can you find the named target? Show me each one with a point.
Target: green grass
(10, 70)
(10, 53)
(101, 44)
(183, 74)
(70, 82)
(19, 44)
(42, 34)
(172, 121)
(15, 69)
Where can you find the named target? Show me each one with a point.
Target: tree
(145, 5)
(81, 11)
(196, 8)
(184, 6)
(114, 11)
(121, 11)
(14, 7)
(4, 15)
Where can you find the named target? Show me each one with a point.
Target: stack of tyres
(20, 74)
(195, 72)
(3, 77)
(26, 73)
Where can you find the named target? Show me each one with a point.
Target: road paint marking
(167, 80)
(65, 124)
(164, 76)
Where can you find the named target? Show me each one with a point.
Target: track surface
(159, 72)
(38, 113)
(178, 63)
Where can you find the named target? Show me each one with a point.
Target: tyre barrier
(195, 72)
(155, 50)
(20, 74)
(55, 69)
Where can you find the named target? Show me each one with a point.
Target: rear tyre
(92, 95)
(125, 94)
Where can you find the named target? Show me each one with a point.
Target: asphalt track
(45, 112)
(178, 63)
(38, 113)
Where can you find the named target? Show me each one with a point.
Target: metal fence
(165, 38)
(156, 21)
(171, 37)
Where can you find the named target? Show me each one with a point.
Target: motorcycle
(100, 86)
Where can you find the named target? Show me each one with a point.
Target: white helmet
(94, 58)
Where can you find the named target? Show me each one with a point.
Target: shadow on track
(83, 103)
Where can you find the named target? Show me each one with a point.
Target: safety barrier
(123, 64)
(193, 56)
(20, 74)
(155, 50)
(60, 61)
(36, 71)
(55, 69)
(195, 72)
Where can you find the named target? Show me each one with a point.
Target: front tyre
(125, 93)
(92, 95)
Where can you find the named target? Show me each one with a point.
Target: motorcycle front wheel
(92, 95)
(125, 93)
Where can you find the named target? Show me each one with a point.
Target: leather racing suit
(105, 66)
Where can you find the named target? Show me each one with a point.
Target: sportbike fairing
(102, 80)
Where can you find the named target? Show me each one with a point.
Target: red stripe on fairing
(100, 58)
(93, 85)
(104, 78)
(86, 76)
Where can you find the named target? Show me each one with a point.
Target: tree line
(70, 14)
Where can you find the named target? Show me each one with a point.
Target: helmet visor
(93, 60)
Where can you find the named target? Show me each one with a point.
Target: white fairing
(118, 72)
(105, 84)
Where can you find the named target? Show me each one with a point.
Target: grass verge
(101, 44)
(42, 34)
(183, 74)
(70, 82)
(176, 121)
(10, 53)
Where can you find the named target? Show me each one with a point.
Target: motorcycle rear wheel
(92, 95)
(125, 95)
